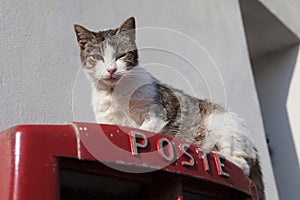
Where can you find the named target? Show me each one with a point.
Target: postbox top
(133, 150)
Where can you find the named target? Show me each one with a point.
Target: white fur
(231, 137)
(113, 107)
(99, 73)
(110, 63)
(152, 122)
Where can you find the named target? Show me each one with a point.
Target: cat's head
(108, 55)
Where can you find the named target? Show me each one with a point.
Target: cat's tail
(257, 177)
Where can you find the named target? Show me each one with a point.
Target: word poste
(165, 149)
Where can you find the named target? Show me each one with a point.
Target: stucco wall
(273, 37)
(276, 78)
(293, 107)
(286, 11)
(40, 59)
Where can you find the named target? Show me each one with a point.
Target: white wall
(273, 35)
(287, 11)
(40, 59)
(293, 108)
(276, 75)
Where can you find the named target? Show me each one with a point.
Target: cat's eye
(120, 56)
(97, 57)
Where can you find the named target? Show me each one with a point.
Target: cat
(124, 93)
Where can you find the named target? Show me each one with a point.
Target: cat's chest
(105, 108)
(122, 111)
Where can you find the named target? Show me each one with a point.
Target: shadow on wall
(273, 74)
(273, 50)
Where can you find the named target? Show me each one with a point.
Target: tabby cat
(124, 93)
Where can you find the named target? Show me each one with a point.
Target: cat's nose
(111, 71)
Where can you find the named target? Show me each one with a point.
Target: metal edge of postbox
(65, 134)
(107, 136)
(30, 151)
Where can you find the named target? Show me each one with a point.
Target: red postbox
(97, 161)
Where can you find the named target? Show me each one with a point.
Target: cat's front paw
(153, 124)
(241, 163)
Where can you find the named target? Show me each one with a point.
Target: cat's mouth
(112, 78)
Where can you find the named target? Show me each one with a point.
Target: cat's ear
(83, 35)
(128, 27)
